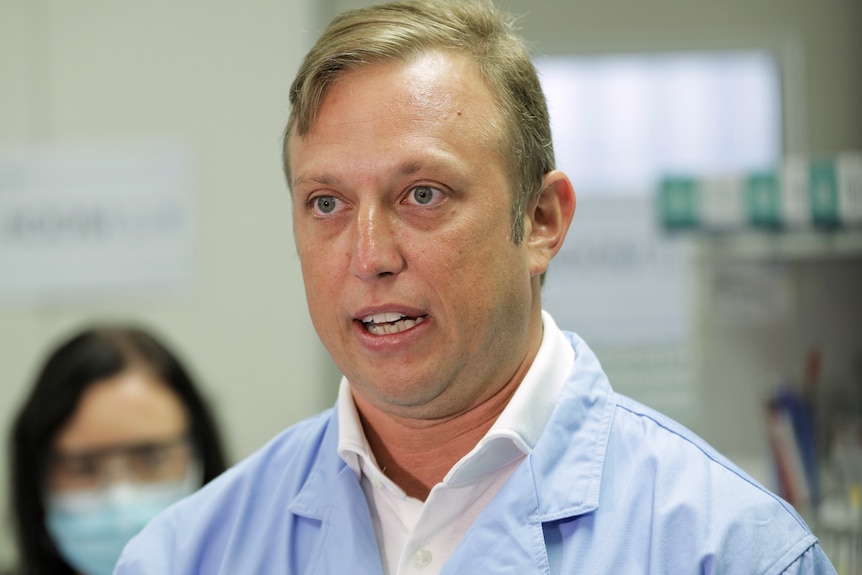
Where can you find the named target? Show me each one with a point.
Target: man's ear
(549, 217)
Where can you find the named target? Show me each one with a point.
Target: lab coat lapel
(347, 542)
(338, 525)
(507, 537)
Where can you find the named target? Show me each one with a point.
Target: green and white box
(679, 203)
(763, 200)
(823, 193)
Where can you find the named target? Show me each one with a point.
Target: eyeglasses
(142, 462)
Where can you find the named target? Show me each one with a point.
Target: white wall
(213, 75)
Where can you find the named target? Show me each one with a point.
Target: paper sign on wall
(88, 220)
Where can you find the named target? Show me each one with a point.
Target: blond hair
(400, 31)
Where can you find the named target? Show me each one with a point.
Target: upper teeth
(385, 317)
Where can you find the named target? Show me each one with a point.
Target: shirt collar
(513, 435)
(352, 444)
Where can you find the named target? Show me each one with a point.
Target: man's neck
(417, 454)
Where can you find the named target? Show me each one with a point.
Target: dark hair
(93, 354)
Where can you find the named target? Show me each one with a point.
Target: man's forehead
(431, 87)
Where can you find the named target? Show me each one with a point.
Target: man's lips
(387, 323)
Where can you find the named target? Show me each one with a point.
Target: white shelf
(782, 245)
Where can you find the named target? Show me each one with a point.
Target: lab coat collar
(332, 495)
(568, 460)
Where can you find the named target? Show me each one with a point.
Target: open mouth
(389, 322)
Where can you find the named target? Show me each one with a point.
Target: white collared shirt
(418, 538)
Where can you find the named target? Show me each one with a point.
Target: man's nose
(376, 246)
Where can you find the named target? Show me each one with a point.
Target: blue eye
(424, 195)
(325, 204)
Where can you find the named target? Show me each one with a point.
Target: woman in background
(113, 431)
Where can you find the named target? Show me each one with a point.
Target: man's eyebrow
(323, 180)
(409, 168)
(441, 162)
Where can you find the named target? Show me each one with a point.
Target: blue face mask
(91, 528)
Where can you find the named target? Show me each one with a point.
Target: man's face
(401, 209)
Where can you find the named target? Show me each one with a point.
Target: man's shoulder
(671, 447)
(687, 474)
(637, 441)
(286, 460)
(656, 480)
(278, 469)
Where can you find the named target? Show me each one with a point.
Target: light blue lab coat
(611, 488)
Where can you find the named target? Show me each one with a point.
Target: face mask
(91, 528)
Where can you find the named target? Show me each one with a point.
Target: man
(470, 434)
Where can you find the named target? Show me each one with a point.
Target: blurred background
(140, 178)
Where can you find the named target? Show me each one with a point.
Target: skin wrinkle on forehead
(489, 133)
